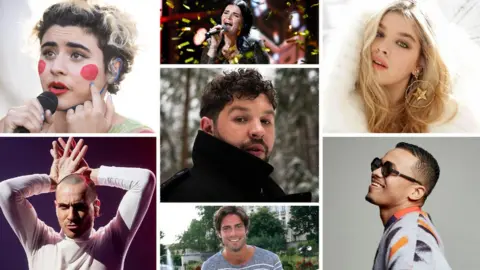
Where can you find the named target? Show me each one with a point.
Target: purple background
(23, 156)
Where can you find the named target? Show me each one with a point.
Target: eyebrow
(69, 44)
(406, 35)
(244, 109)
(74, 204)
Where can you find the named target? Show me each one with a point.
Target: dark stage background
(23, 156)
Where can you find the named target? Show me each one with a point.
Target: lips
(72, 226)
(377, 184)
(256, 150)
(57, 88)
(379, 63)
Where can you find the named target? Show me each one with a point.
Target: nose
(382, 48)
(71, 214)
(58, 66)
(257, 131)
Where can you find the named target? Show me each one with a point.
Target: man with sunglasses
(401, 181)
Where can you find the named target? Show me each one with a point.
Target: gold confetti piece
(175, 38)
(181, 33)
(268, 16)
(266, 49)
(301, 8)
(296, 33)
(183, 44)
(196, 3)
(314, 5)
(196, 61)
(170, 4)
(176, 22)
(305, 16)
(189, 60)
(213, 21)
(315, 52)
(288, 4)
(187, 7)
(161, 26)
(198, 17)
(186, 29)
(305, 33)
(290, 27)
(181, 52)
(205, 43)
(190, 50)
(249, 54)
(185, 20)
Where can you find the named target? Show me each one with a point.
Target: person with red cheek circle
(85, 52)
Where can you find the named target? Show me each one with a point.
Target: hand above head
(66, 161)
(94, 116)
(29, 116)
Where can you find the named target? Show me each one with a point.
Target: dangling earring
(416, 92)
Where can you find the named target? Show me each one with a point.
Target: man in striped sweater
(231, 226)
(400, 184)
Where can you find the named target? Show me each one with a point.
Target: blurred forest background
(295, 156)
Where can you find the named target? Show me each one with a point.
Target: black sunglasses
(387, 170)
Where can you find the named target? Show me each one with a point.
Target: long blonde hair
(413, 116)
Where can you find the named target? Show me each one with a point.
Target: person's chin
(369, 198)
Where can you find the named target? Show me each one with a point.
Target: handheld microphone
(215, 32)
(49, 101)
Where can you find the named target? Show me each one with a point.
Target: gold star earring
(419, 92)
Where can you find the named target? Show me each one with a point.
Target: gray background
(352, 227)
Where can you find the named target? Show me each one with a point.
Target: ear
(417, 193)
(206, 125)
(96, 208)
(419, 67)
(114, 68)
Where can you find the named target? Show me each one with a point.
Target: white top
(102, 249)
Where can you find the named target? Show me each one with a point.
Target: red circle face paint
(41, 66)
(89, 72)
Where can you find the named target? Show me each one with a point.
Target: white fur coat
(343, 108)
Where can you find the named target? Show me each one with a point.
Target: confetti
(301, 8)
(170, 4)
(187, 7)
(213, 21)
(196, 3)
(315, 52)
(190, 50)
(315, 5)
(181, 33)
(198, 17)
(268, 16)
(186, 29)
(305, 16)
(266, 49)
(289, 4)
(189, 60)
(183, 44)
(305, 33)
(175, 38)
(249, 54)
(196, 61)
(181, 52)
(185, 20)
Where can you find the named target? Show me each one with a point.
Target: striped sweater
(410, 241)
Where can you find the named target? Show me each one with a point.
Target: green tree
(304, 220)
(266, 231)
(200, 235)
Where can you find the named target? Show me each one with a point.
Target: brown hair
(228, 210)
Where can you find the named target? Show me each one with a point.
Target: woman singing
(86, 50)
(233, 44)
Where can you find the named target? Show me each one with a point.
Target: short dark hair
(426, 166)
(74, 179)
(114, 30)
(247, 15)
(241, 84)
(227, 210)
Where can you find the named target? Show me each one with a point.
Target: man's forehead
(400, 157)
(68, 189)
(249, 102)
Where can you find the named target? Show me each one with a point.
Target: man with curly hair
(233, 146)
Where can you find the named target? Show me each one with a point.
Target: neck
(396, 92)
(60, 122)
(230, 40)
(238, 257)
(387, 212)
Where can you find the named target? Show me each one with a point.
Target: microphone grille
(49, 101)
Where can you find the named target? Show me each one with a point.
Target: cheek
(89, 72)
(41, 66)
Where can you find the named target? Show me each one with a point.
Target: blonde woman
(86, 50)
(401, 81)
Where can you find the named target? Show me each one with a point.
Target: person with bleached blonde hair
(85, 51)
(393, 72)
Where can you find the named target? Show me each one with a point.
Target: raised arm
(18, 211)
(140, 185)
